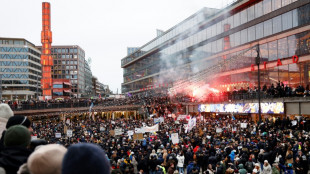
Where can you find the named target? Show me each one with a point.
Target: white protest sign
(118, 131)
(169, 115)
(244, 125)
(294, 123)
(218, 130)
(130, 132)
(175, 138)
(102, 129)
(34, 138)
(58, 135)
(161, 119)
(151, 129)
(69, 133)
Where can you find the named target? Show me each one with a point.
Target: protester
(46, 159)
(85, 158)
(15, 152)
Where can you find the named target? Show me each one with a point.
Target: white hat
(5, 111)
(265, 161)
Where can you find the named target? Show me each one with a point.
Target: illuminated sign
(266, 108)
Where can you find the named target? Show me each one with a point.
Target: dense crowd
(215, 145)
(273, 91)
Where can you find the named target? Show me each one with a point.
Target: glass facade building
(228, 39)
(20, 69)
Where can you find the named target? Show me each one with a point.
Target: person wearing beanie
(47, 159)
(85, 158)
(15, 120)
(15, 152)
(19, 120)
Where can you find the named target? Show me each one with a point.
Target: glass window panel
(230, 21)
(237, 38)
(286, 2)
(277, 24)
(214, 50)
(213, 32)
(267, 27)
(251, 13)
(304, 15)
(219, 28)
(287, 20)
(232, 40)
(244, 36)
(276, 4)
(273, 50)
(267, 6)
(209, 32)
(251, 33)
(259, 30)
(264, 52)
(295, 18)
(282, 48)
(237, 20)
(219, 44)
(258, 9)
(243, 16)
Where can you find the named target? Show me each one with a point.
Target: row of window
(272, 26)
(298, 44)
(20, 63)
(255, 11)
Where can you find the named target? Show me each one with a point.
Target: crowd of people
(273, 91)
(220, 145)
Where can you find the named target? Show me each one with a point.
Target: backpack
(249, 166)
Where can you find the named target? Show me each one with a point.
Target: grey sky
(104, 29)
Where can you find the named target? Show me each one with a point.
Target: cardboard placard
(137, 136)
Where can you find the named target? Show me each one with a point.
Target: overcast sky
(103, 28)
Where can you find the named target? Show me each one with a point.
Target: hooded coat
(242, 170)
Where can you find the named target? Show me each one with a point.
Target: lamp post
(257, 61)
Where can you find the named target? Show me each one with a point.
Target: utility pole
(257, 61)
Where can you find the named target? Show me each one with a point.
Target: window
(258, 9)
(282, 48)
(237, 38)
(251, 33)
(277, 24)
(276, 4)
(244, 36)
(259, 30)
(267, 6)
(295, 18)
(273, 50)
(287, 20)
(267, 27)
(237, 20)
(244, 16)
(251, 13)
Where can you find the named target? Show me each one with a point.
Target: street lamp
(257, 61)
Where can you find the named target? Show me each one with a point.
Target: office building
(20, 69)
(69, 63)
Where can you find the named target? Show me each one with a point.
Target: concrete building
(69, 63)
(20, 69)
